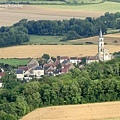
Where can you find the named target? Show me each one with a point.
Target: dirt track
(96, 111)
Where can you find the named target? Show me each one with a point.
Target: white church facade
(103, 53)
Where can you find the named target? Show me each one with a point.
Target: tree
(46, 57)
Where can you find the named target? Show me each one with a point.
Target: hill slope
(77, 112)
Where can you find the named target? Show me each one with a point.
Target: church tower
(101, 46)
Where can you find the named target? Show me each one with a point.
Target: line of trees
(70, 29)
(97, 82)
(13, 35)
(73, 28)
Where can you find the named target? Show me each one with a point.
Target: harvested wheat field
(36, 51)
(110, 39)
(96, 111)
(10, 15)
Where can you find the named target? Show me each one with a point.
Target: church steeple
(101, 35)
(101, 46)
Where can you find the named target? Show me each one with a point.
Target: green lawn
(14, 62)
(36, 39)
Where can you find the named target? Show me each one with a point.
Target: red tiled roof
(92, 58)
(62, 57)
(2, 73)
(25, 68)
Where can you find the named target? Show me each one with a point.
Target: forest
(70, 29)
(96, 82)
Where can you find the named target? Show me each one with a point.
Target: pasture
(14, 62)
(110, 39)
(11, 15)
(96, 111)
(36, 39)
(36, 51)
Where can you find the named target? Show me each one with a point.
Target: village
(60, 64)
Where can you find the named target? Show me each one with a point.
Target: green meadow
(14, 62)
(102, 7)
(36, 39)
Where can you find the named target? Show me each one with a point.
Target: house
(38, 71)
(90, 59)
(25, 68)
(20, 74)
(49, 70)
(66, 62)
(75, 60)
(2, 73)
(1, 83)
(32, 64)
(62, 58)
(50, 61)
(66, 68)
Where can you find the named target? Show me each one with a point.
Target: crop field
(36, 51)
(110, 39)
(96, 111)
(11, 15)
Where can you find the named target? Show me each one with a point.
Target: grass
(104, 7)
(14, 62)
(36, 39)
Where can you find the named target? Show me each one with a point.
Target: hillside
(77, 112)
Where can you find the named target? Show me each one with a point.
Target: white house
(0, 83)
(75, 60)
(90, 59)
(38, 71)
(20, 74)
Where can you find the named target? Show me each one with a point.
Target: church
(103, 53)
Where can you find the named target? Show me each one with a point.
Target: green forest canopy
(97, 82)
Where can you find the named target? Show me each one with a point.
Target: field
(14, 62)
(96, 111)
(110, 39)
(11, 15)
(36, 39)
(36, 51)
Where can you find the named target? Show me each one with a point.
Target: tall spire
(101, 35)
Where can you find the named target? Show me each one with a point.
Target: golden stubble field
(9, 16)
(109, 39)
(36, 51)
(96, 111)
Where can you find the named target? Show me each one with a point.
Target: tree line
(73, 28)
(13, 35)
(96, 82)
(70, 29)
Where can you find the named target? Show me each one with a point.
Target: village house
(38, 71)
(20, 74)
(2, 72)
(90, 59)
(1, 83)
(31, 70)
(62, 58)
(75, 60)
